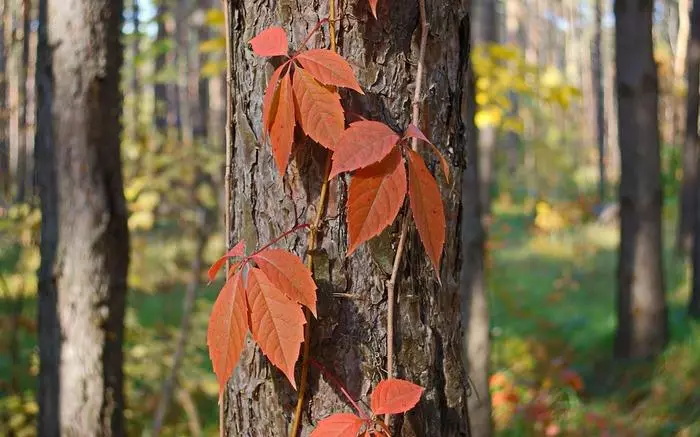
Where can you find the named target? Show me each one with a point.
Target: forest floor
(552, 300)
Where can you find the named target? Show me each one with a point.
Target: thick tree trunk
(692, 141)
(349, 337)
(642, 313)
(92, 250)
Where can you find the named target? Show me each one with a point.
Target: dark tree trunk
(134, 85)
(599, 94)
(692, 140)
(641, 305)
(689, 188)
(160, 89)
(24, 178)
(85, 219)
(475, 311)
(349, 337)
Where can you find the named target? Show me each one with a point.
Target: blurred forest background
(550, 164)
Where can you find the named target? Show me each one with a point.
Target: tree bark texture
(92, 253)
(692, 141)
(641, 306)
(349, 337)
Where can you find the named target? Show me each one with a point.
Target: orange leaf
(282, 126)
(329, 68)
(338, 425)
(373, 6)
(270, 42)
(413, 132)
(319, 110)
(228, 326)
(276, 322)
(362, 144)
(393, 396)
(290, 275)
(426, 204)
(271, 98)
(237, 250)
(375, 197)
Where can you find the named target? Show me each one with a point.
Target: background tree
(86, 228)
(642, 315)
(692, 139)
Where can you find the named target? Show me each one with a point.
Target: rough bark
(349, 336)
(689, 188)
(599, 95)
(641, 306)
(91, 257)
(475, 311)
(692, 140)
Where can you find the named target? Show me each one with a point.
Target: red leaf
(228, 326)
(319, 111)
(362, 144)
(339, 425)
(276, 322)
(290, 275)
(393, 396)
(426, 204)
(282, 126)
(270, 42)
(271, 98)
(237, 250)
(375, 197)
(413, 132)
(329, 68)
(373, 6)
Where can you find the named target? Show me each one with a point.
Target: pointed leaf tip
(414, 132)
(237, 251)
(270, 42)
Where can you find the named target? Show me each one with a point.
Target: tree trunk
(4, 146)
(349, 336)
(599, 94)
(475, 311)
(692, 141)
(641, 306)
(23, 159)
(159, 89)
(89, 259)
(689, 188)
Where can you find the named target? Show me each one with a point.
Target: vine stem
(313, 234)
(391, 285)
(340, 386)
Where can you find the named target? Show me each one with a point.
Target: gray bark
(85, 220)
(692, 141)
(641, 306)
(349, 336)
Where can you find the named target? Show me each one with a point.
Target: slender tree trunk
(185, 92)
(642, 313)
(23, 158)
(599, 93)
(134, 85)
(692, 140)
(689, 187)
(349, 335)
(4, 146)
(90, 259)
(159, 89)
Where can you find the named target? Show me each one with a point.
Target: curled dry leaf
(339, 425)
(228, 326)
(276, 322)
(329, 68)
(362, 144)
(413, 132)
(375, 197)
(319, 110)
(428, 211)
(270, 42)
(394, 396)
(289, 274)
(237, 251)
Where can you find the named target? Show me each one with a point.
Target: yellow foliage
(214, 45)
(215, 17)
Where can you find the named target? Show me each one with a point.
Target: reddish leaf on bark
(282, 125)
(413, 132)
(289, 274)
(271, 98)
(339, 425)
(329, 68)
(270, 42)
(362, 144)
(373, 6)
(426, 204)
(228, 326)
(375, 197)
(276, 322)
(319, 111)
(236, 251)
(394, 396)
